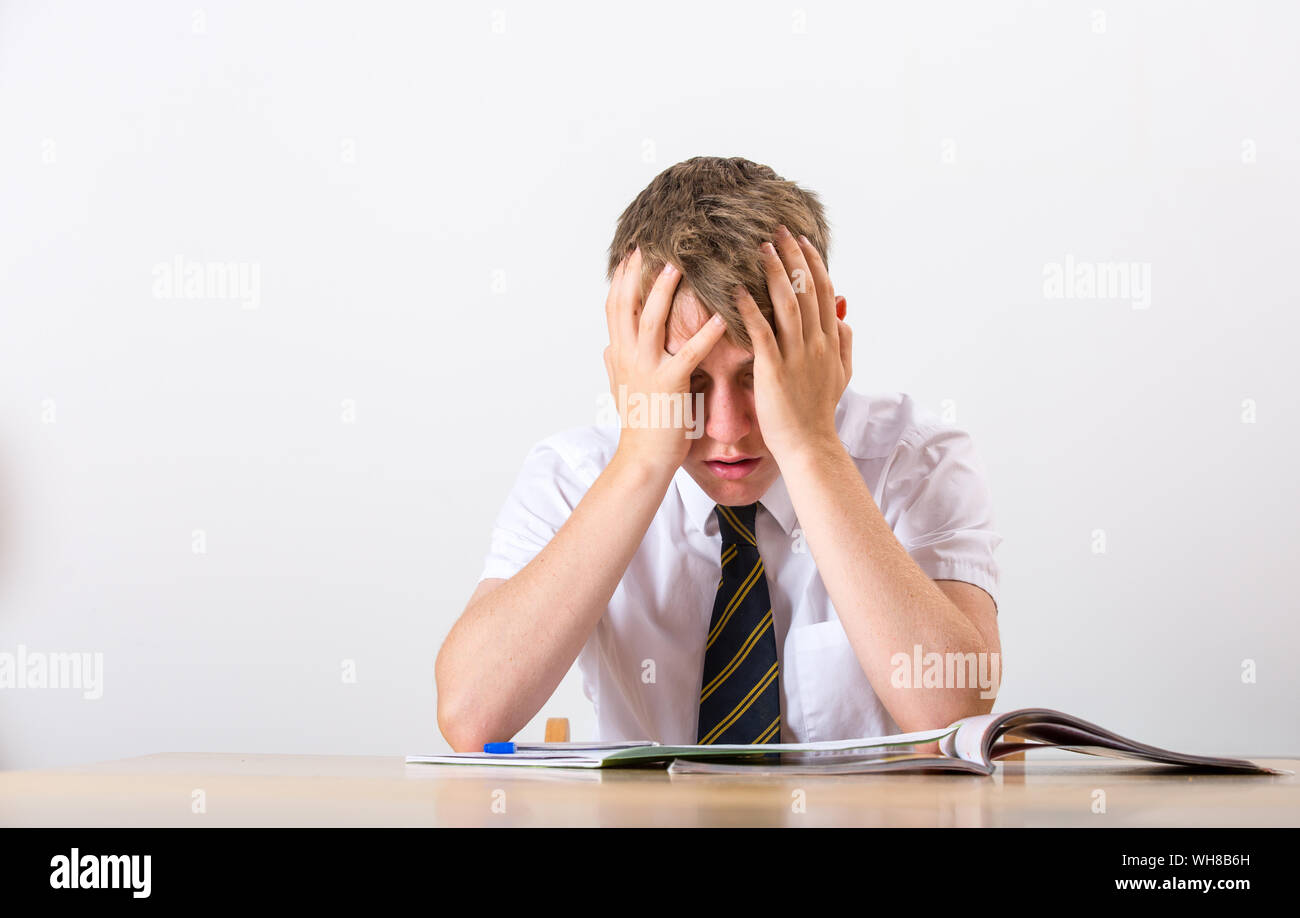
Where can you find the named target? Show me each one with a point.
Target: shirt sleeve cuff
(977, 575)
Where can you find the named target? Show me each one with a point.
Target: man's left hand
(801, 371)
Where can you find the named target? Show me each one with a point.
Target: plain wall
(427, 193)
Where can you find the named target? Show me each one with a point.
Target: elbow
(451, 717)
(975, 702)
(970, 704)
(461, 719)
(458, 738)
(458, 727)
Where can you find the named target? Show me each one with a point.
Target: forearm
(513, 645)
(885, 602)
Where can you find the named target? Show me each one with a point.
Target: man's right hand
(637, 362)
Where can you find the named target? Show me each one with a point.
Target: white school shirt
(642, 665)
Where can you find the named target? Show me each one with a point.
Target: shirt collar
(699, 506)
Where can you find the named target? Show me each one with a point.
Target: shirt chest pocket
(830, 697)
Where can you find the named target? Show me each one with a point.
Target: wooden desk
(1051, 789)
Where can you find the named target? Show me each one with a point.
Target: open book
(972, 744)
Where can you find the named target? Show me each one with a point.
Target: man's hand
(801, 371)
(637, 362)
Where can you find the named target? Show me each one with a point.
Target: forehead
(685, 318)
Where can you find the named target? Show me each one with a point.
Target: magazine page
(976, 740)
(968, 741)
(645, 753)
(848, 762)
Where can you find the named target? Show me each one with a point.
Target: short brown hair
(708, 215)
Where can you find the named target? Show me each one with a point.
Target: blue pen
(499, 748)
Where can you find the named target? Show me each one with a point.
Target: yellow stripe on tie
(759, 630)
(773, 728)
(745, 704)
(739, 526)
(741, 592)
(729, 554)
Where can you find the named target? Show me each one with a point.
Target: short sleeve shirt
(642, 664)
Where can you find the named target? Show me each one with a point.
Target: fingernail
(804, 240)
(668, 268)
(768, 248)
(782, 231)
(717, 320)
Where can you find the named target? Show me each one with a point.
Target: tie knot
(737, 524)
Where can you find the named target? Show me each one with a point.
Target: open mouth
(732, 470)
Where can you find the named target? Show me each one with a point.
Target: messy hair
(708, 215)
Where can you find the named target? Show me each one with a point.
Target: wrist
(811, 449)
(641, 470)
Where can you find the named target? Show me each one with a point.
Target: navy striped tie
(740, 694)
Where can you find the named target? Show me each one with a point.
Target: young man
(752, 575)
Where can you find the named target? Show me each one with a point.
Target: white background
(381, 163)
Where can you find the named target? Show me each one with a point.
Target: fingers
(785, 302)
(620, 305)
(690, 354)
(826, 305)
(802, 281)
(760, 333)
(611, 303)
(654, 317)
(846, 349)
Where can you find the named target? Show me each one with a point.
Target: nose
(729, 415)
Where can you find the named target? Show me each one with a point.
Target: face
(729, 460)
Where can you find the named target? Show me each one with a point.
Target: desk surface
(1050, 789)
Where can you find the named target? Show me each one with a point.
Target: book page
(645, 753)
(976, 741)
